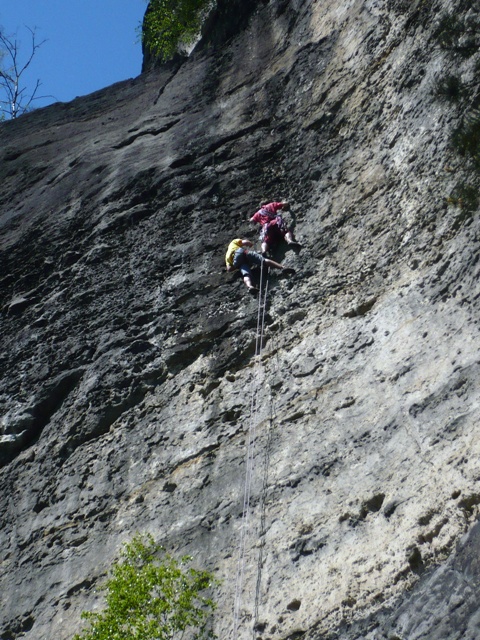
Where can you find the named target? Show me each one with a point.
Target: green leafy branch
(152, 598)
(172, 25)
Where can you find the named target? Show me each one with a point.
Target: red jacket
(267, 212)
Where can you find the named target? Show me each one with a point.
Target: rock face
(132, 382)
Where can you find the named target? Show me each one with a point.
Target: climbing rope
(263, 513)
(262, 303)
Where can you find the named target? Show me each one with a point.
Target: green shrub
(152, 598)
(170, 25)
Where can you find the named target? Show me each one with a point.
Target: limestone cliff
(128, 354)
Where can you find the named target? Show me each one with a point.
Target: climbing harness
(262, 302)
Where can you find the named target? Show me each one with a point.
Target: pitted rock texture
(128, 354)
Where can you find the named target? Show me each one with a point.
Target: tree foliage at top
(171, 25)
(152, 598)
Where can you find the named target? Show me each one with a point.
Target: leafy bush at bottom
(152, 598)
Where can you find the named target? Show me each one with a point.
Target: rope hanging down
(250, 455)
(263, 506)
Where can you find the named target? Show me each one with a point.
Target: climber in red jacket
(274, 227)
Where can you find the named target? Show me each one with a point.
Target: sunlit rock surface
(128, 361)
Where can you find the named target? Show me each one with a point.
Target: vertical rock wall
(127, 356)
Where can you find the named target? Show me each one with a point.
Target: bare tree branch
(17, 98)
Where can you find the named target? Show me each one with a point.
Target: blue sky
(90, 44)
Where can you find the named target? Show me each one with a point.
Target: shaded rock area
(442, 605)
(128, 354)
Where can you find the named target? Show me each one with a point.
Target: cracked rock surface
(128, 363)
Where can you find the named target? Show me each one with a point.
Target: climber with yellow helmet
(239, 256)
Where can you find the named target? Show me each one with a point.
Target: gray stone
(130, 372)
